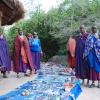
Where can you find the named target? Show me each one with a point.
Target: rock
(59, 59)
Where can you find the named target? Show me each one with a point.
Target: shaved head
(82, 29)
(82, 26)
(94, 29)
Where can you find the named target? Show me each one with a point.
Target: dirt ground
(13, 82)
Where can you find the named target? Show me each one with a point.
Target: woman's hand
(41, 54)
(83, 55)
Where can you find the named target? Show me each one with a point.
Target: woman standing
(82, 67)
(71, 48)
(5, 60)
(36, 50)
(92, 53)
(22, 55)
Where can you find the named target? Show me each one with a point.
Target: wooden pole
(0, 18)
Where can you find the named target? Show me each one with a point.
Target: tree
(55, 26)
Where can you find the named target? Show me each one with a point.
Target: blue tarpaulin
(46, 87)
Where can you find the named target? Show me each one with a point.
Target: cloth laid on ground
(58, 69)
(47, 87)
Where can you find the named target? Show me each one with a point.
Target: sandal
(4, 76)
(28, 75)
(98, 85)
(18, 76)
(91, 85)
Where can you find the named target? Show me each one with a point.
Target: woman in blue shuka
(92, 53)
(35, 46)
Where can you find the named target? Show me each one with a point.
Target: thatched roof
(12, 11)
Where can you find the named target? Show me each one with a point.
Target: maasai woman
(92, 53)
(81, 68)
(22, 54)
(5, 60)
(71, 48)
(36, 50)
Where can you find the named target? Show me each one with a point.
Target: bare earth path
(13, 82)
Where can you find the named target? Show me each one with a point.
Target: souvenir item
(48, 85)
